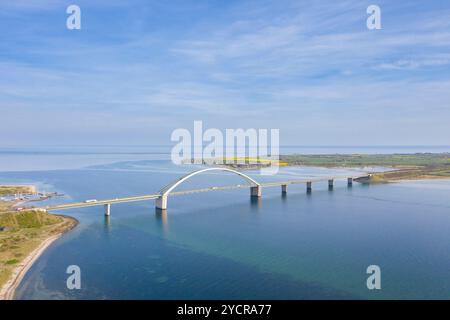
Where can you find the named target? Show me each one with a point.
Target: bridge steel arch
(161, 202)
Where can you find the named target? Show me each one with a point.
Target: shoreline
(7, 292)
(390, 170)
(391, 174)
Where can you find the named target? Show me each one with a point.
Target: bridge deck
(185, 192)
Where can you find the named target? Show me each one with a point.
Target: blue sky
(139, 69)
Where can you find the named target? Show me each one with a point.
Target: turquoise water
(222, 245)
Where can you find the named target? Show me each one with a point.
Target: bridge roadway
(155, 196)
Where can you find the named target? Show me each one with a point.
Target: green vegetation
(5, 206)
(21, 232)
(407, 166)
(9, 190)
(27, 219)
(361, 160)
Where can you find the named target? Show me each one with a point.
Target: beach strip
(8, 290)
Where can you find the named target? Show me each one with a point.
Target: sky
(139, 69)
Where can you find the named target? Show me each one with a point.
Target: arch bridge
(161, 198)
(161, 201)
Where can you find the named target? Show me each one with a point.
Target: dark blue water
(222, 245)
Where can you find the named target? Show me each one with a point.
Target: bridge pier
(284, 189)
(255, 191)
(330, 184)
(161, 202)
(349, 182)
(309, 186)
(107, 209)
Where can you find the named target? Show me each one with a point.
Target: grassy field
(23, 232)
(361, 160)
(10, 190)
(5, 206)
(407, 166)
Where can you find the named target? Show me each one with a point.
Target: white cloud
(415, 63)
(297, 66)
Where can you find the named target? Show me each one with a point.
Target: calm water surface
(221, 245)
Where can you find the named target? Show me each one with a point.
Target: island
(400, 166)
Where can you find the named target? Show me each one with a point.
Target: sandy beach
(8, 290)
